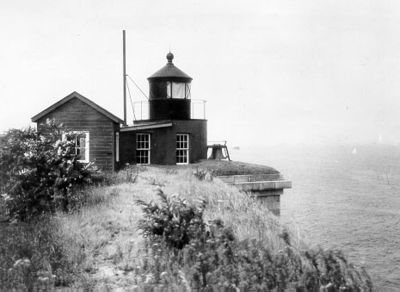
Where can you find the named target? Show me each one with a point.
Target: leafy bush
(39, 172)
(209, 255)
(174, 220)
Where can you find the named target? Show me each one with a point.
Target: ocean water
(342, 198)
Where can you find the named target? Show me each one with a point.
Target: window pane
(81, 141)
(187, 90)
(82, 153)
(169, 84)
(178, 90)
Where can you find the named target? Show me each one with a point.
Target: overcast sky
(313, 72)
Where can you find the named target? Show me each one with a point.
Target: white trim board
(145, 127)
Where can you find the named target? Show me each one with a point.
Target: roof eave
(146, 126)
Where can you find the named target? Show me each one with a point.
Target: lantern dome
(170, 71)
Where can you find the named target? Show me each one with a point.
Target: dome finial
(170, 57)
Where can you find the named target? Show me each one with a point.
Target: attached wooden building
(170, 136)
(98, 127)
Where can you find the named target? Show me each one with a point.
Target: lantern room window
(182, 148)
(178, 90)
(142, 148)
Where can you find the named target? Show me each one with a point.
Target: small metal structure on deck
(219, 151)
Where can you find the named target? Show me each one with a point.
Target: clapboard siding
(76, 115)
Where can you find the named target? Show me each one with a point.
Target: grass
(224, 167)
(112, 242)
(99, 246)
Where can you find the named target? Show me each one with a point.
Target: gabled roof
(81, 98)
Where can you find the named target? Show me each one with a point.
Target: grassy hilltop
(113, 243)
(100, 246)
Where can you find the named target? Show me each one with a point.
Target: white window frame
(87, 142)
(180, 146)
(143, 148)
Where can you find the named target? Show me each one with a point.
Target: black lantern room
(169, 93)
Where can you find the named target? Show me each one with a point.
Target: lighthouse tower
(172, 134)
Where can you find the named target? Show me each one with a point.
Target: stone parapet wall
(267, 188)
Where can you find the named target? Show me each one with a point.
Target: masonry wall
(163, 142)
(78, 116)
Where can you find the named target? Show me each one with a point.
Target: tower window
(142, 148)
(182, 148)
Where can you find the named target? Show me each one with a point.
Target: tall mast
(124, 72)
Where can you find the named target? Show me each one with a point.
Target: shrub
(210, 255)
(174, 220)
(39, 171)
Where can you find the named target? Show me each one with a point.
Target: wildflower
(23, 171)
(6, 197)
(149, 279)
(28, 154)
(24, 263)
(164, 276)
(43, 279)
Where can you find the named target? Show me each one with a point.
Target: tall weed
(33, 256)
(210, 255)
